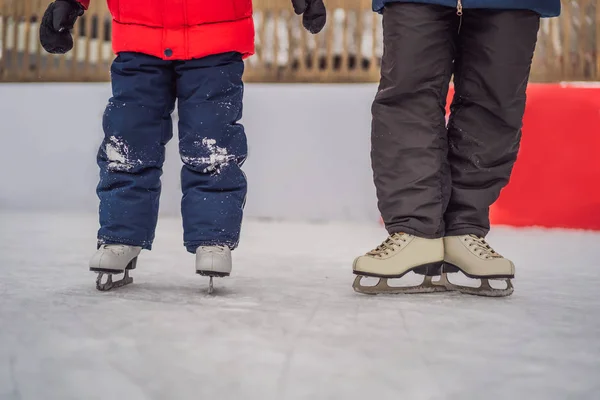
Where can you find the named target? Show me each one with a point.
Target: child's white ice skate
(114, 259)
(213, 261)
(475, 258)
(400, 254)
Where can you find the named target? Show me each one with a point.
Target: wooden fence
(348, 50)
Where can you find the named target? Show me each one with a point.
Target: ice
(287, 324)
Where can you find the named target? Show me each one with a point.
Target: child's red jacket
(181, 29)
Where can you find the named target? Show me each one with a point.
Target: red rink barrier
(556, 180)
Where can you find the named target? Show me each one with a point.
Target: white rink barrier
(308, 150)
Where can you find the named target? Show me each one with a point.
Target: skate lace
(115, 248)
(479, 246)
(213, 249)
(393, 243)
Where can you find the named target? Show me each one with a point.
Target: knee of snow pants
(137, 125)
(213, 147)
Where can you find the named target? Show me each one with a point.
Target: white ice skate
(112, 259)
(400, 254)
(475, 258)
(213, 261)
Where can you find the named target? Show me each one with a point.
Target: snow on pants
(212, 144)
(434, 179)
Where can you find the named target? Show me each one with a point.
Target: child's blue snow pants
(212, 144)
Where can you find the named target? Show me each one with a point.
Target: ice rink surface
(287, 324)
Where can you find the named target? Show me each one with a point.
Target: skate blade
(211, 275)
(485, 289)
(110, 284)
(382, 287)
(211, 287)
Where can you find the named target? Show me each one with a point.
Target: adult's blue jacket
(546, 8)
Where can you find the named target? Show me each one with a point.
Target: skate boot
(398, 255)
(114, 259)
(213, 261)
(472, 256)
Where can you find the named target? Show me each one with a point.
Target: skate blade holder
(428, 285)
(431, 286)
(382, 286)
(485, 289)
(109, 284)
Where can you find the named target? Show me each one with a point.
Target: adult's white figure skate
(398, 255)
(475, 258)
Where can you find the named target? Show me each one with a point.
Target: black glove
(56, 26)
(314, 14)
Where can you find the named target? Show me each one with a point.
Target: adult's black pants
(434, 178)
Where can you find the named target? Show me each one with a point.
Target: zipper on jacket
(459, 12)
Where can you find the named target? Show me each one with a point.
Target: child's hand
(55, 29)
(314, 14)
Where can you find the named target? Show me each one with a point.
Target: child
(435, 183)
(191, 51)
